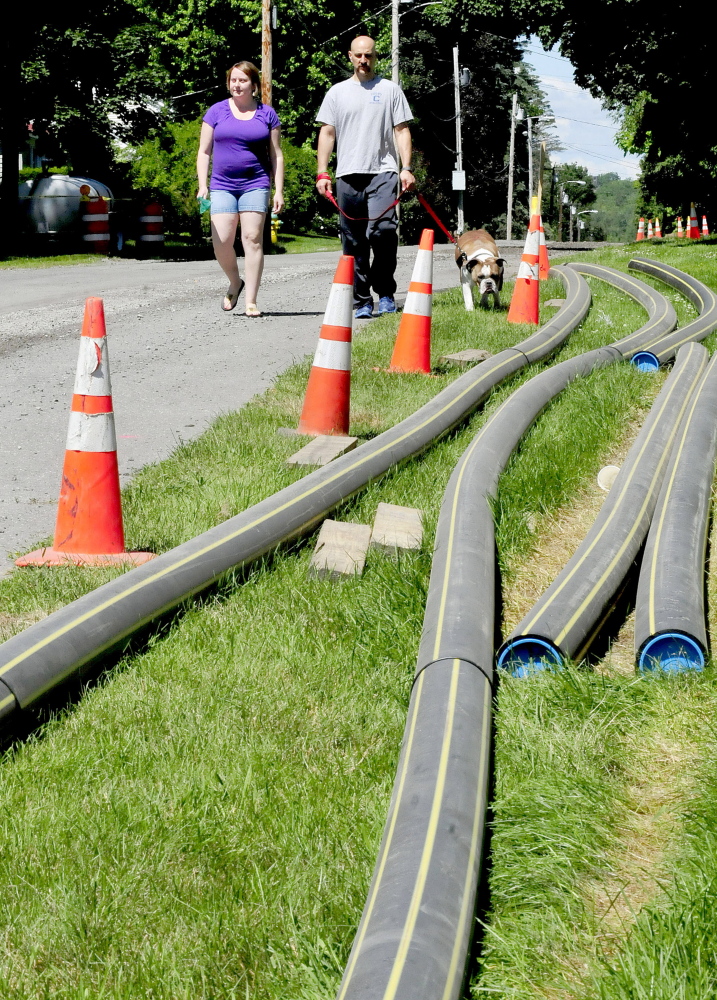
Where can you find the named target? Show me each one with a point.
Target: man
(366, 117)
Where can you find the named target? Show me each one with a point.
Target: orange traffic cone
(693, 232)
(412, 350)
(88, 530)
(650, 232)
(658, 230)
(543, 261)
(680, 230)
(705, 229)
(640, 230)
(326, 404)
(524, 304)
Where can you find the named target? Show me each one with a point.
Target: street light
(560, 209)
(586, 211)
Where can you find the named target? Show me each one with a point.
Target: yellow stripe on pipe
(7, 701)
(417, 895)
(663, 512)
(387, 845)
(466, 914)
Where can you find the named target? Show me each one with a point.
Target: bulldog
(480, 264)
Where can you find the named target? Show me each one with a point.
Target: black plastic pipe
(702, 297)
(662, 317)
(56, 648)
(562, 624)
(416, 927)
(670, 628)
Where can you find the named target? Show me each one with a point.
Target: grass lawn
(203, 821)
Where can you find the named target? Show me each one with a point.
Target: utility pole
(266, 53)
(459, 179)
(394, 41)
(530, 165)
(511, 158)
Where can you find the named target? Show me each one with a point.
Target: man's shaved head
(362, 42)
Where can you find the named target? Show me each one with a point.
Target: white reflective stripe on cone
(91, 432)
(418, 304)
(423, 268)
(151, 218)
(339, 307)
(525, 270)
(152, 237)
(532, 243)
(334, 354)
(92, 377)
(95, 218)
(96, 237)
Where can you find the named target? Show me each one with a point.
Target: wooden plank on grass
(322, 450)
(340, 550)
(462, 359)
(396, 527)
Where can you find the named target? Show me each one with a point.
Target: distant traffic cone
(658, 230)
(650, 232)
(326, 404)
(693, 232)
(640, 230)
(680, 230)
(705, 229)
(543, 261)
(88, 530)
(524, 306)
(412, 350)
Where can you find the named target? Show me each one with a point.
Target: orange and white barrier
(412, 350)
(658, 229)
(680, 230)
(640, 230)
(650, 231)
(89, 530)
(152, 224)
(543, 260)
(96, 221)
(694, 230)
(328, 391)
(705, 227)
(524, 305)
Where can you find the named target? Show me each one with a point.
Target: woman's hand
(203, 192)
(278, 203)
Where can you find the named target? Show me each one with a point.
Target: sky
(584, 128)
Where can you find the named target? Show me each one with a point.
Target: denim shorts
(231, 201)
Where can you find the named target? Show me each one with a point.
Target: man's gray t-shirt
(364, 116)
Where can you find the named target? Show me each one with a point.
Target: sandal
(232, 298)
(252, 311)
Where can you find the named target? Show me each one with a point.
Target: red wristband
(323, 177)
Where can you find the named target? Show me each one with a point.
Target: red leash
(369, 218)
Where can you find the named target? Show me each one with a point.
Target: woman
(242, 136)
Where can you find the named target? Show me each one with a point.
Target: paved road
(176, 360)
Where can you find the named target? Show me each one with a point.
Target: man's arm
(402, 134)
(327, 138)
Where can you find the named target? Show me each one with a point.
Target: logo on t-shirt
(376, 97)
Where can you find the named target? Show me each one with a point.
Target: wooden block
(464, 358)
(322, 450)
(340, 550)
(554, 302)
(397, 527)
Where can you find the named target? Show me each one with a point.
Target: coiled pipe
(564, 621)
(58, 647)
(702, 297)
(670, 629)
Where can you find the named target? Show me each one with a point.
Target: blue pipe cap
(529, 654)
(671, 652)
(644, 361)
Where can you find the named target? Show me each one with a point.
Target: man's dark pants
(362, 195)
